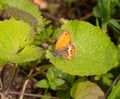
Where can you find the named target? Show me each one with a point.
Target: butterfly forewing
(63, 40)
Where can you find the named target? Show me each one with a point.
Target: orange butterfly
(64, 47)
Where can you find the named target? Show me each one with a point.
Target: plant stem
(41, 69)
(45, 91)
(12, 77)
(25, 85)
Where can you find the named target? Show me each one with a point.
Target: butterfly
(64, 47)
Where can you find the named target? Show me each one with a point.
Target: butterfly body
(64, 47)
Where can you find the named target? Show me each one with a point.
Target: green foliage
(86, 90)
(56, 81)
(114, 23)
(42, 83)
(64, 94)
(26, 11)
(107, 79)
(53, 79)
(104, 7)
(95, 53)
(104, 10)
(1, 7)
(115, 92)
(22, 15)
(16, 39)
(24, 5)
(118, 48)
(46, 36)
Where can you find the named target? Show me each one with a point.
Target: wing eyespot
(66, 33)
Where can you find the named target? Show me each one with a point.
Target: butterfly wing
(66, 52)
(63, 40)
(71, 51)
(64, 47)
(62, 52)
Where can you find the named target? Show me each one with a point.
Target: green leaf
(24, 10)
(2, 62)
(115, 94)
(43, 84)
(15, 42)
(101, 10)
(70, 79)
(104, 8)
(59, 81)
(86, 90)
(54, 73)
(24, 5)
(50, 74)
(22, 15)
(118, 48)
(65, 94)
(29, 53)
(1, 8)
(53, 80)
(107, 79)
(114, 23)
(55, 83)
(95, 53)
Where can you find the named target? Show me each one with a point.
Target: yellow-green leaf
(86, 90)
(95, 53)
(16, 42)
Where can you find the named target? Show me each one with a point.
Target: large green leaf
(15, 42)
(24, 5)
(86, 90)
(95, 53)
